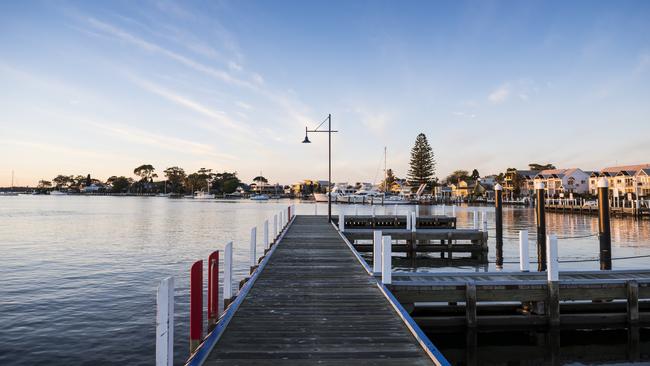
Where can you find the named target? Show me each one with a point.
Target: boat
(4, 194)
(259, 197)
(164, 195)
(58, 193)
(200, 195)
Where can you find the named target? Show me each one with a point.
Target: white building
(562, 182)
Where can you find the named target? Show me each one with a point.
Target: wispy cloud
(500, 94)
(464, 114)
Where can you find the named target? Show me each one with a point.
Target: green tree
(537, 167)
(62, 181)
(260, 179)
(145, 172)
(230, 185)
(119, 184)
(176, 177)
(423, 163)
(390, 179)
(475, 175)
(44, 184)
(457, 176)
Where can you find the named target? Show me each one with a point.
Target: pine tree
(423, 163)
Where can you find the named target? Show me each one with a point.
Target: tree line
(176, 181)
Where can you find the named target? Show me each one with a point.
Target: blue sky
(102, 87)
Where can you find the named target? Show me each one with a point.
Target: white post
(484, 219)
(453, 210)
(275, 226)
(253, 248)
(408, 221)
(414, 221)
(227, 272)
(475, 219)
(376, 251)
(372, 210)
(356, 210)
(341, 221)
(316, 208)
(417, 210)
(165, 323)
(443, 210)
(266, 234)
(386, 257)
(395, 210)
(551, 258)
(524, 261)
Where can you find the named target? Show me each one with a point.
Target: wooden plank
(314, 304)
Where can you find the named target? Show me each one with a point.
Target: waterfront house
(623, 180)
(563, 182)
(462, 189)
(519, 183)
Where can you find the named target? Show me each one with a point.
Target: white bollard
(552, 263)
(386, 257)
(341, 221)
(414, 222)
(266, 234)
(417, 210)
(253, 248)
(356, 210)
(376, 251)
(524, 260)
(395, 210)
(484, 219)
(408, 221)
(453, 210)
(372, 211)
(475, 219)
(316, 209)
(443, 210)
(165, 323)
(227, 272)
(275, 226)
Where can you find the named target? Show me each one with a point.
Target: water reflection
(550, 347)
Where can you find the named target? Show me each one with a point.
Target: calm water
(79, 274)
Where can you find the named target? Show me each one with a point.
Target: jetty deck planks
(314, 303)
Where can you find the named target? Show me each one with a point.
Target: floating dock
(312, 301)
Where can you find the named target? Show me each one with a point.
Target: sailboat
(200, 195)
(11, 192)
(164, 194)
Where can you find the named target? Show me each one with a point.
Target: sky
(101, 87)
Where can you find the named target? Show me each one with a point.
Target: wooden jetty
(430, 234)
(593, 210)
(522, 299)
(311, 301)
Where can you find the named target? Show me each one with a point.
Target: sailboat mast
(385, 173)
(12, 179)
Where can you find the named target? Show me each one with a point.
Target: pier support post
(266, 234)
(540, 217)
(552, 274)
(414, 222)
(498, 220)
(408, 221)
(165, 323)
(376, 251)
(394, 210)
(213, 289)
(227, 275)
(341, 221)
(604, 233)
(632, 302)
(524, 260)
(386, 258)
(253, 248)
(475, 219)
(470, 304)
(196, 305)
(356, 210)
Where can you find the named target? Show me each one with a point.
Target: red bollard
(196, 305)
(213, 289)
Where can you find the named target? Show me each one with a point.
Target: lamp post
(329, 177)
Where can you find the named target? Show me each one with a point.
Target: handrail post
(253, 247)
(266, 234)
(524, 261)
(376, 251)
(165, 323)
(386, 260)
(227, 275)
(553, 278)
(275, 227)
(213, 289)
(196, 305)
(341, 221)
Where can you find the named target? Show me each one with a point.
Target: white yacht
(200, 195)
(259, 197)
(58, 193)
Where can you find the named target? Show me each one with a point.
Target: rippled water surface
(79, 274)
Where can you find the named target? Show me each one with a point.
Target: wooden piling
(470, 304)
(498, 207)
(632, 287)
(604, 233)
(540, 217)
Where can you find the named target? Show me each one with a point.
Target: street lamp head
(306, 140)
